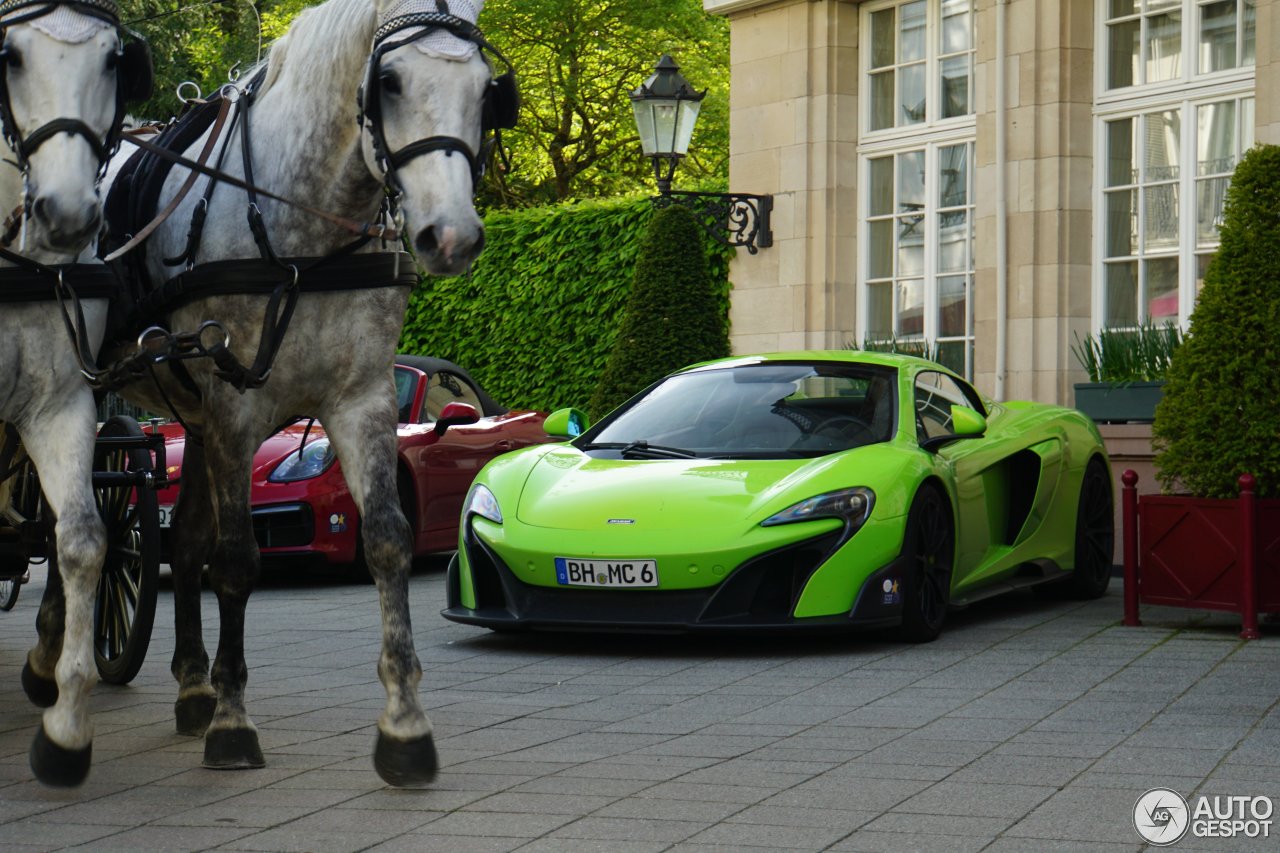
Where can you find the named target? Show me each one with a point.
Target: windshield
(762, 411)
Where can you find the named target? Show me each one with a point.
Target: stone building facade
(995, 177)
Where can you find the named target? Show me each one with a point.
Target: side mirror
(455, 414)
(565, 423)
(965, 423)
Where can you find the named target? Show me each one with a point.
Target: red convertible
(301, 506)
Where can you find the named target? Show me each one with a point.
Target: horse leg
(363, 433)
(62, 750)
(189, 549)
(38, 680)
(231, 740)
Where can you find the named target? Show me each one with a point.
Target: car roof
(896, 361)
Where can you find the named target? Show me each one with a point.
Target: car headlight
(852, 505)
(312, 461)
(481, 502)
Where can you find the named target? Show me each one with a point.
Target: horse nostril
(426, 242)
(40, 209)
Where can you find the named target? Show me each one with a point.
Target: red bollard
(1248, 559)
(1129, 498)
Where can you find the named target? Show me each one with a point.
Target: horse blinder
(137, 80)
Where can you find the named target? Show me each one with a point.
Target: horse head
(66, 72)
(429, 102)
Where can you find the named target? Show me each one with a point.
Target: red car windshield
(770, 411)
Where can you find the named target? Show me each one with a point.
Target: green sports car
(805, 490)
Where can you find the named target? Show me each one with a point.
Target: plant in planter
(1219, 420)
(1127, 370)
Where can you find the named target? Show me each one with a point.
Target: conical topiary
(673, 317)
(1220, 416)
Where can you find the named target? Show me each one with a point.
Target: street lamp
(666, 110)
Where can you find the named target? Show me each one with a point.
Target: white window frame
(1185, 94)
(929, 136)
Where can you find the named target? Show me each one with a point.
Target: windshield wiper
(641, 449)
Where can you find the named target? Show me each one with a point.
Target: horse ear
(136, 78)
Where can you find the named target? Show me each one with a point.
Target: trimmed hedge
(536, 320)
(671, 318)
(1219, 416)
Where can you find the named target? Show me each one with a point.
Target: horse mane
(331, 42)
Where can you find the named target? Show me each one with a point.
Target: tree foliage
(674, 316)
(1218, 418)
(576, 61)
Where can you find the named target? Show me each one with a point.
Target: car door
(449, 465)
(969, 462)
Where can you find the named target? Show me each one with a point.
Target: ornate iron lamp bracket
(733, 219)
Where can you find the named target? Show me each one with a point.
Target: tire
(1095, 535)
(10, 586)
(928, 550)
(125, 609)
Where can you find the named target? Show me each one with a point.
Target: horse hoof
(406, 763)
(57, 766)
(232, 749)
(194, 713)
(43, 692)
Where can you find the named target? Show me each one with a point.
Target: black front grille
(287, 526)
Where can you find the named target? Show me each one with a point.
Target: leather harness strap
(223, 111)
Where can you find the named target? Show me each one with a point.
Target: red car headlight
(311, 461)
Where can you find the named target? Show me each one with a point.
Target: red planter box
(1210, 554)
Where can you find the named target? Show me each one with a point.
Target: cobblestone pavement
(1029, 725)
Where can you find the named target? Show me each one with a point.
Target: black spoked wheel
(126, 605)
(929, 549)
(1095, 534)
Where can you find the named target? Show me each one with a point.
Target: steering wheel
(840, 427)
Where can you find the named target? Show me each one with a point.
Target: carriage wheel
(9, 588)
(126, 605)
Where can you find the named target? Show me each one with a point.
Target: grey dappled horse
(419, 106)
(65, 73)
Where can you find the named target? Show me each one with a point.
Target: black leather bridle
(498, 111)
(133, 80)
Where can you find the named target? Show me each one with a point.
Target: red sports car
(301, 506)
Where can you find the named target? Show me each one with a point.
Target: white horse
(357, 101)
(63, 81)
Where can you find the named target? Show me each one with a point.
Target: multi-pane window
(1172, 128)
(917, 198)
(913, 79)
(1151, 41)
(919, 255)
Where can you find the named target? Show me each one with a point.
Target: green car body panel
(1012, 489)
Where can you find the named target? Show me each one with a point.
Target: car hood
(568, 490)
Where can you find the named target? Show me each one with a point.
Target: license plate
(571, 571)
(166, 516)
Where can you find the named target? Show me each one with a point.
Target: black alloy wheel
(1095, 534)
(125, 608)
(929, 552)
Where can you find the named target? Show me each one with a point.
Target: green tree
(201, 42)
(674, 316)
(1218, 418)
(576, 61)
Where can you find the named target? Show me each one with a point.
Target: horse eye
(113, 61)
(12, 58)
(390, 84)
